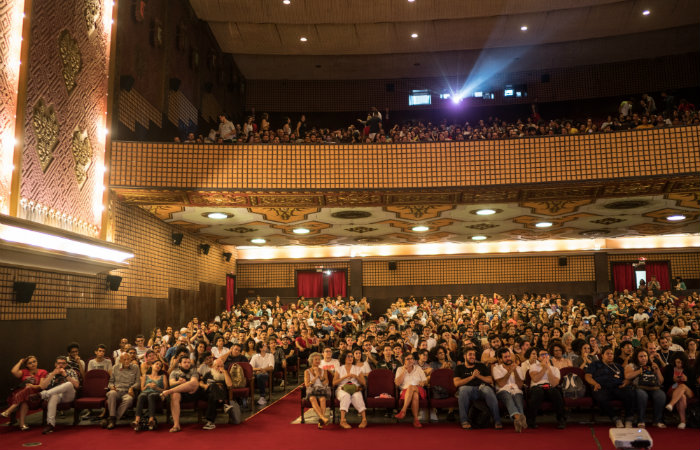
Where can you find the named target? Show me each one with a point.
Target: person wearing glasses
(411, 380)
(59, 386)
(544, 385)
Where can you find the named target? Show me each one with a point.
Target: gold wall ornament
(82, 153)
(92, 14)
(70, 59)
(46, 129)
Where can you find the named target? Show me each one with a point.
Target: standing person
(59, 386)
(227, 131)
(544, 385)
(647, 379)
(375, 126)
(318, 390)
(411, 381)
(608, 381)
(473, 381)
(27, 370)
(509, 383)
(125, 379)
(301, 128)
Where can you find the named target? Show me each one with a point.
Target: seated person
(473, 381)
(647, 379)
(59, 386)
(215, 383)
(125, 379)
(27, 370)
(411, 381)
(153, 382)
(349, 381)
(679, 383)
(184, 386)
(509, 383)
(544, 385)
(387, 360)
(608, 381)
(318, 390)
(262, 363)
(99, 362)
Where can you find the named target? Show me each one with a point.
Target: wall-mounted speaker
(563, 261)
(126, 82)
(24, 291)
(392, 265)
(113, 282)
(204, 248)
(177, 238)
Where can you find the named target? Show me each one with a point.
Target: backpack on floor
(234, 414)
(480, 415)
(572, 386)
(237, 376)
(143, 423)
(692, 416)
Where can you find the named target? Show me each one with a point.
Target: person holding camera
(59, 386)
(647, 379)
(27, 370)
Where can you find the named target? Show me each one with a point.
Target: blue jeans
(513, 402)
(261, 382)
(468, 393)
(658, 399)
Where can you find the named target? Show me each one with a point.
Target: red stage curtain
(337, 284)
(230, 291)
(623, 275)
(309, 284)
(659, 269)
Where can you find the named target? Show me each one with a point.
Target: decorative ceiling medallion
(481, 226)
(46, 130)
(595, 233)
(82, 153)
(313, 227)
(240, 230)
(367, 240)
(686, 199)
(555, 207)
(283, 214)
(360, 229)
(608, 221)
(70, 59)
(352, 198)
(92, 14)
(626, 204)
(419, 212)
(351, 214)
(214, 198)
(286, 200)
(164, 212)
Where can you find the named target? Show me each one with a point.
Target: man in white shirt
(544, 382)
(263, 363)
(328, 362)
(508, 381)
(640, 316)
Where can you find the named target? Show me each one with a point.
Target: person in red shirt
(27, 370)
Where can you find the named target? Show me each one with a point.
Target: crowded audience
(506, 356)
(630, 115)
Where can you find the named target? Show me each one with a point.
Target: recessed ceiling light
(420, 228)
(478, 238)
(485, 212)
(258, 241)
(543, 224)
(676, 217)
(523, 28)
(646, 12)
(411, 1)
(300, 231)
(217, 215)
(286, 2)
(414, 35)
(303, 39)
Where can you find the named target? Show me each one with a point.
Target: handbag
(350, 388)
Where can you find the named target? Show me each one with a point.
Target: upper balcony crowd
(631, 114)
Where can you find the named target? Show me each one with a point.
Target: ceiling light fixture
(217, 215)
(485, 212)
(258, 241)
(303, 39)
(523, 28)
(300, 231)
(544, 224)
(478, 238)
(287, 2)
(414, 35)
(420, 228)
(676, 217)
(646, 12)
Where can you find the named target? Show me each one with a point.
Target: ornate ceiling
(392, 223)
(353, 39)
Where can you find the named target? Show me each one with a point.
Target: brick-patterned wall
(665, 151)
(157, 266)
(82, 108)
(684, 265)
(536, 269)
(604, 80)
(278, 275)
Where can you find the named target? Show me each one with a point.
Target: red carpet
(272, 429)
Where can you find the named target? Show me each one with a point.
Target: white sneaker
(669, 407)
(282, 384)
(227, 408)
(262, 401)
(209, 426)
(433, 415)
(681, 426)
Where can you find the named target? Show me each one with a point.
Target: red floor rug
(271, 429)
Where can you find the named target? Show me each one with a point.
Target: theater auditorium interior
(303, 224)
